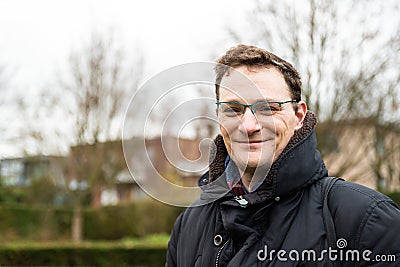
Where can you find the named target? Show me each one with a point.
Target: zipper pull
(242, 201)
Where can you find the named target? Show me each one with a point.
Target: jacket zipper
(219, 254)
(242, 201)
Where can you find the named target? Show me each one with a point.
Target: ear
(301, 114)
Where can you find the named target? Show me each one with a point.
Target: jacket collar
(299, 165)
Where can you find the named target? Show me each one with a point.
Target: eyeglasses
(263, 108)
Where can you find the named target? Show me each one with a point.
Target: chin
(252, 161)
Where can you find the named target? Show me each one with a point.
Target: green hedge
(83, 255)
(32, 223)
(135, 220)
(395, 196)
(138, 219)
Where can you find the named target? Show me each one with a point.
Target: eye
(263, 107)
(267, 108)
(231, 109)
(274, 107)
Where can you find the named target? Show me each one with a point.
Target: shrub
(395, 196)
(22, 222)
(137, 219)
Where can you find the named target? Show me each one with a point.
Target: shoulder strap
(327, 184)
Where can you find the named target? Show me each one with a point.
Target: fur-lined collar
(219, 152)
(290, 163)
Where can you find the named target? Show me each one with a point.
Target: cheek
(284, 127)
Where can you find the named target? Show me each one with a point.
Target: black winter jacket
(282, 223)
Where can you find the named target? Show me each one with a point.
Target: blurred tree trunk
(96, 196)
(77, 225)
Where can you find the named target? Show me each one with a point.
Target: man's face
(254, 140)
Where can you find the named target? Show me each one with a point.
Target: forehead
(254, 84)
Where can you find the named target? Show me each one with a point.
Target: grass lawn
(153, 241)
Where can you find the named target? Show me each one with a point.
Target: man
(280, 208)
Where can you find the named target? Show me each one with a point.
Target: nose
(249, 123)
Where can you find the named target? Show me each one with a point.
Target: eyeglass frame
(250, 106)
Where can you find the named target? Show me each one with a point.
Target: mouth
(250, 141)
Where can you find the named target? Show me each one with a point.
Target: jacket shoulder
(362, 215)
(354, 200)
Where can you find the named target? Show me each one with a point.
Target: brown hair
(251, 56)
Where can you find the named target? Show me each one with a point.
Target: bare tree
(84, 111)
(97, 91)
(348, 56)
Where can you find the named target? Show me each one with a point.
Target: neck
(250, 176)
(246, 178)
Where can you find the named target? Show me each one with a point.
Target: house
(99, 172)
(21, 171)
(362, 151)
(115, 171)
(41, 178)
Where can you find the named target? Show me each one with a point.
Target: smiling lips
(250, 141)
(255, 144)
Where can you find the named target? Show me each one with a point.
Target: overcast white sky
(37, 36)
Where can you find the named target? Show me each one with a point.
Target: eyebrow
(257, 100)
